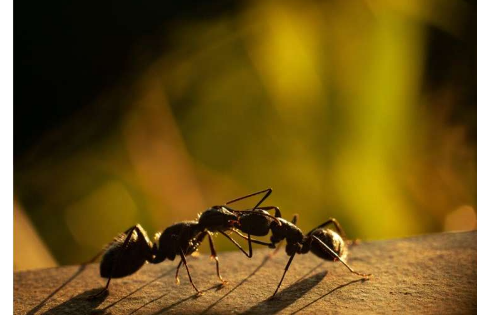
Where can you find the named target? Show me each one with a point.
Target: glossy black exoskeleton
(131, 249)
(324, 242)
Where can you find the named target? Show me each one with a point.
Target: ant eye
(233, 223)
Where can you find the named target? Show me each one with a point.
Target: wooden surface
(431, 274)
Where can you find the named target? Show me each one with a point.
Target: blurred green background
(360, 110)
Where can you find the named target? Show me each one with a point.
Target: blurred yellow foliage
(321, 101)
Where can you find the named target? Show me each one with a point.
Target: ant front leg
(332, 253)
(249, 239)
(249, 255)
(252, 240)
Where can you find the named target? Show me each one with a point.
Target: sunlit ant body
(131, 249)
(321, 241)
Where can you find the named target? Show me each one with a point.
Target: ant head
(217, 218)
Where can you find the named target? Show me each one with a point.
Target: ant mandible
(130, 250)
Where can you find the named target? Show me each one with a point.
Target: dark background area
(67, 53)
(76, 71)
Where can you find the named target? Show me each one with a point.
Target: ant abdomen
(120, 262)
(332, 239)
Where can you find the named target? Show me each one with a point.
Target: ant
(321, 241)
(130, 250)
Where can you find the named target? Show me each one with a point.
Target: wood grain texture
(430, 274)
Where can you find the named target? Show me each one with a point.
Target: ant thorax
(255, 223)
(287, 230)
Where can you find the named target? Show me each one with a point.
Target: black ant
(131, 249)
(321, 241)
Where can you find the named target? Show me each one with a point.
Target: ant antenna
(268, 191)
(259, 213)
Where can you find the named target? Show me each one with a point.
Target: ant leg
(249, 245)
(266, 191)
(123, 246)
(274, 218)
(215, 257)
(238, 245)
(250, 241)
(95, 257)
(295, 218)
(335, 223)
(331, 252)
(276, 250)
(101, 252)
(271, 245)
(283, 277)
(188, 272)
(278, 214)
(177, 272)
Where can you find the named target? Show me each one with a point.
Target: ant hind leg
(129, 233)
(337, 257)
(177, 272)
(188, 272)
(284, 273)
(213, 254)
(101, 252)
(335, 223)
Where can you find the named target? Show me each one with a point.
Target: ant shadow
(100, 311)
(146, 304)
(84, 303)
(328, 293)
(264, 261)
(287, 296)
(42, 303)
(194, 296)
(79, 304)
